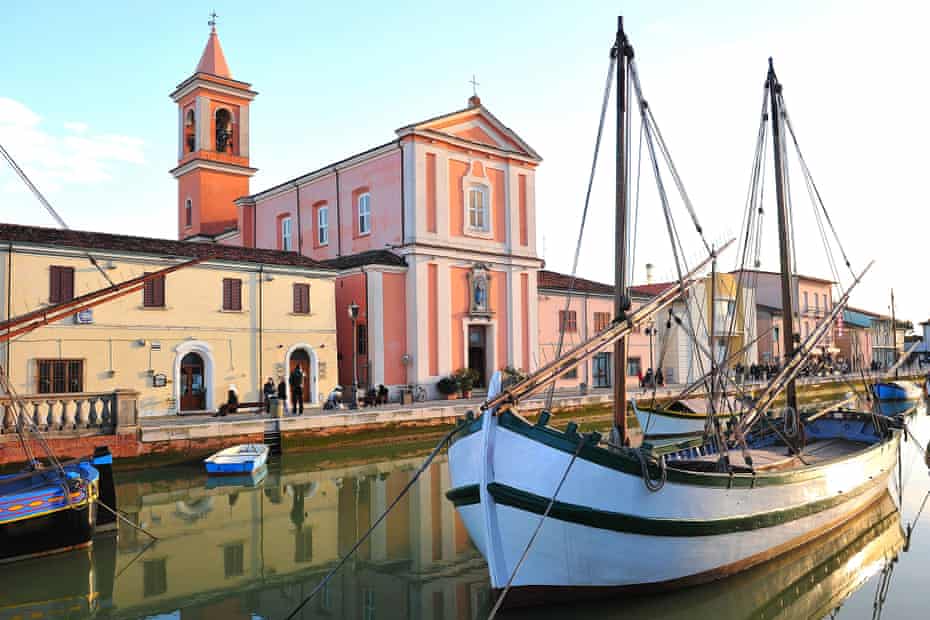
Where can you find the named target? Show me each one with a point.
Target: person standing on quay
(297, 390)
(268, 390)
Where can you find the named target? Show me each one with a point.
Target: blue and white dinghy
(241, 459)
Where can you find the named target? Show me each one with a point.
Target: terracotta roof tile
(371, 257)
(554, 280)
(212, 60)
(102, 242)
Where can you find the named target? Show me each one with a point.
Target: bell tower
(213, 144)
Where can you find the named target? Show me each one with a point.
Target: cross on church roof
(474, 85)
(212, 22)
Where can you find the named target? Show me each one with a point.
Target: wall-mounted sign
(156, 345)
(84, 317)
(159, 380)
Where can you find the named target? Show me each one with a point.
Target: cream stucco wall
(126, 343)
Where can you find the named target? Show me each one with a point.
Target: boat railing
(62, 413)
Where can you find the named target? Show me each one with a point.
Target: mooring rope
(360, 541)
(119, 515)
(526, 550)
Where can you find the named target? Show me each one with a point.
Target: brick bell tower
(213, 144)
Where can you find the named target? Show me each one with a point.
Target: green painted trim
(627, 462)
(633, 524)
(678, 414)
(464, 496)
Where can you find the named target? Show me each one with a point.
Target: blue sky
(84, 107)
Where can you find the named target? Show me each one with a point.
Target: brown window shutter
(237, 294)
(148, 295)
(306, 290)
(297, 299)
(232, 294)
(67, 287)
(227, 294)
(159, 291)
(54, 285)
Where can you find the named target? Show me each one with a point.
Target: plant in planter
(448, 386)
(466, 378)
(511, 376)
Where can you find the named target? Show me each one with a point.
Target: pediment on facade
(478, 126)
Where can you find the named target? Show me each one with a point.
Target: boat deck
(777, 458)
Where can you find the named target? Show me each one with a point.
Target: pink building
(813, 300)
(433, 232)
(586, 308)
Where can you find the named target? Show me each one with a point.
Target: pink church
(432, 233)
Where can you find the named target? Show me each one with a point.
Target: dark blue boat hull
(61, 530)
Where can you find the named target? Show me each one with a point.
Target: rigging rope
(584, 217)
(48, 206)
(526, 550)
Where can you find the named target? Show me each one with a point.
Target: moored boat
(560, 515)
(46, 511)
(240, 459)
(896, 390)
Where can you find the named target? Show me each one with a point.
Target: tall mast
(894, 336)
(784, 240)
(623, 52)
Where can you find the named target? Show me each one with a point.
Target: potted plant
(449, 387)
(466, 378)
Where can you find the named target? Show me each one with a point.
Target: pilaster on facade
(444, 319)
(376, 326)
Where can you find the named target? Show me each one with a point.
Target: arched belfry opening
(190, 131)
(223, 130)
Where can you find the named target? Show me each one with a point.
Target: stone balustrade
(81, 413)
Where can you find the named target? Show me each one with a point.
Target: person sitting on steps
(232, 403)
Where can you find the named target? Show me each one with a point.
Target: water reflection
(254, 548)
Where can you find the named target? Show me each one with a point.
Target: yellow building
(236, 318)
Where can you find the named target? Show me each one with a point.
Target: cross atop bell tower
(213, 144)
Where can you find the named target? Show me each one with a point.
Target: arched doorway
(301, 359)
(303, 355)
(192, 383)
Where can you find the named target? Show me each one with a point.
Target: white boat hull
(657, 425)
(607, 530)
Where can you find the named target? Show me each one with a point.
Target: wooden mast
(623, 52)
(784, 239)
(894, 336)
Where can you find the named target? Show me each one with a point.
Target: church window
(286, 236)
(223, 130)
(364, 214)
(188, 213)
(478, 220)
(322, 225)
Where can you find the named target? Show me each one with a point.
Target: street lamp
(650, 331)
(353, 314)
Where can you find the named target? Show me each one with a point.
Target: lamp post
(353, 314)
(650, 331)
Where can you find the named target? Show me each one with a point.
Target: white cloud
(76, 127)
(53, 160)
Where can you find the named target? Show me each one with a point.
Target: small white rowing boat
(241, 459)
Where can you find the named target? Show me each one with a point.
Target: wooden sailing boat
(896, 389)
(560, 515)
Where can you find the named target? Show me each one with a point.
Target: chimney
(649, 273)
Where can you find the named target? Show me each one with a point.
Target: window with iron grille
(568, 320)
(153, 295)
(60, 376)
(362, 339)
(61, 284)
(301, 299)
(232, 294)
(601, 321)
(233, 560)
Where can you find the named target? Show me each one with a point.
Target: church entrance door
(477, 352)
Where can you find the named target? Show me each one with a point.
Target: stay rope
(584, 218)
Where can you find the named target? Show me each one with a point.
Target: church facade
(432, 233)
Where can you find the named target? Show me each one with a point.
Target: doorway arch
(193, 357)
(303, 354)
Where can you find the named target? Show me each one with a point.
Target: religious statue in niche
(479, 279)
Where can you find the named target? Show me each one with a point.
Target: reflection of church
(230, 550)
(433, 232)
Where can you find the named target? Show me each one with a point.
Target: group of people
(270, 391)
(754, 372)
(651, 379)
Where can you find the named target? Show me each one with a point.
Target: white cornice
(497, 258)
(192, 84)
(346, 164)
(468, 144)
(212, 165)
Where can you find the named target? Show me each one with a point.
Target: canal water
(234, 550)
